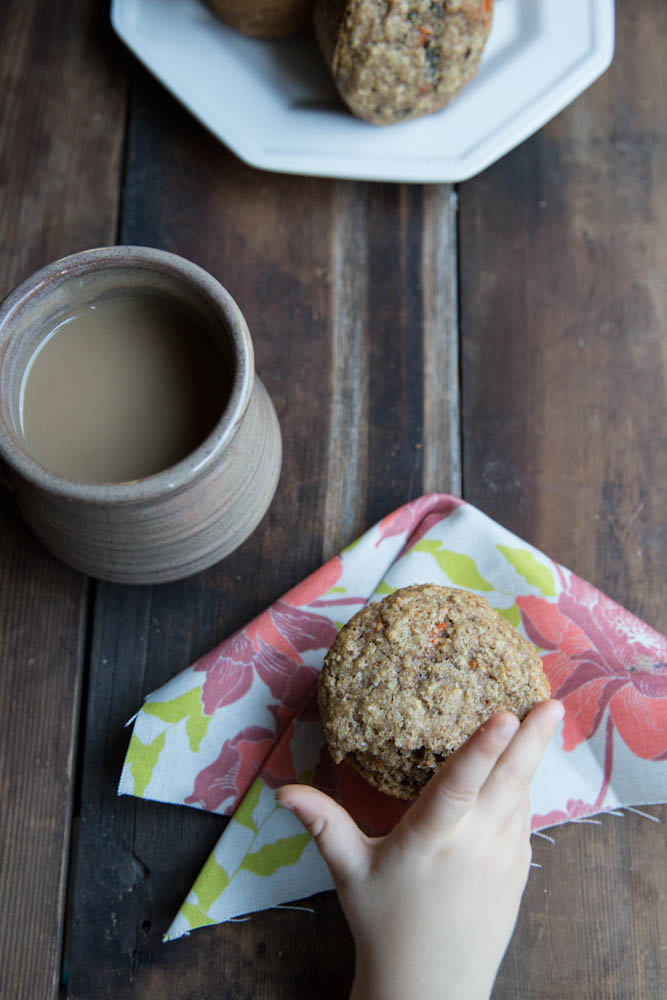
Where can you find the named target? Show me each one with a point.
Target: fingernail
(286, 804)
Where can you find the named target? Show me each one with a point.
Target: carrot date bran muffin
(409, 679)
(398, 59)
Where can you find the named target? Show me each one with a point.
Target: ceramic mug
(178, 521)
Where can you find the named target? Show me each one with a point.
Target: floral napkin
(231, 728)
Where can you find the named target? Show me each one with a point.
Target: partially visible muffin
(264, 18)
(397, 59)
(409, 679)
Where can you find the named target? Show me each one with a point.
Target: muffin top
(410, 678)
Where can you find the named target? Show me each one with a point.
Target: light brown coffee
(121, 390)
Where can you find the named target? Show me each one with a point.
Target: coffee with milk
(121, 390)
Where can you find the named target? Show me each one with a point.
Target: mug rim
(176, 476)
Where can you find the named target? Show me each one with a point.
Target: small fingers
(339, 840)
(507, 785)
(451, 792)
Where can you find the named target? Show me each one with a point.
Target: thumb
(339, 840)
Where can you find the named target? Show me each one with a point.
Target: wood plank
(310, 263)
(42, 621)
(442, 416)
(348, 442)
(60, 144)
(564, 250)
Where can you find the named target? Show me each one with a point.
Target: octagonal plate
(274, 105)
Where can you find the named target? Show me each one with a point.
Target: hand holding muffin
(410, 678)
(423, 693)
(432, 905)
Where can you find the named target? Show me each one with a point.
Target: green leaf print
(194, 916)
(336, 590)
(527, 566)
(307, 777)
(269, 858)
(460, 569)
(384, 588)
(186, 706)
(212, 880)
(513, 615)
(142, 758)
(243, 814)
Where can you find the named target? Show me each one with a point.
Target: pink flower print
(279, 636)
(575, 809)
(303, 629)
(229, 672)
(269, 646)
(639, 711)
(263, 629)
(232, 772)
(278, 768)
(598, 656)
(291, 631)
(414, 519)
(315, 585)
(289, 680)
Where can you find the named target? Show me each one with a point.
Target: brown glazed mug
(183, 519)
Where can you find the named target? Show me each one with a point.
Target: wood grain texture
(563, 298)
(442, 398)
(330, 276)
(42, 620)
(394, 357)
(563, 264)
(348, 376)
(593, 918)
(63, 117)
(63, 107)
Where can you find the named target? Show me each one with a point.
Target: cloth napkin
(225, 733)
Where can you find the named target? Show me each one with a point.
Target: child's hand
(433, 904)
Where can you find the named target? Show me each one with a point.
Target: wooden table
(503, 340)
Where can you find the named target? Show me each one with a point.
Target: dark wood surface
(504, 340)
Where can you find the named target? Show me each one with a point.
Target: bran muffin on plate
(397, 59)
(410, 678)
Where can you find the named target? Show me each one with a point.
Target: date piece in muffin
(398, 59)
(409, 679)
(264, 18)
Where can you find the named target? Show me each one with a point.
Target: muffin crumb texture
(410, 678)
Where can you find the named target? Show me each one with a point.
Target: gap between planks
(348, 429)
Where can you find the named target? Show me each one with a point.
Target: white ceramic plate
(273, 104)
